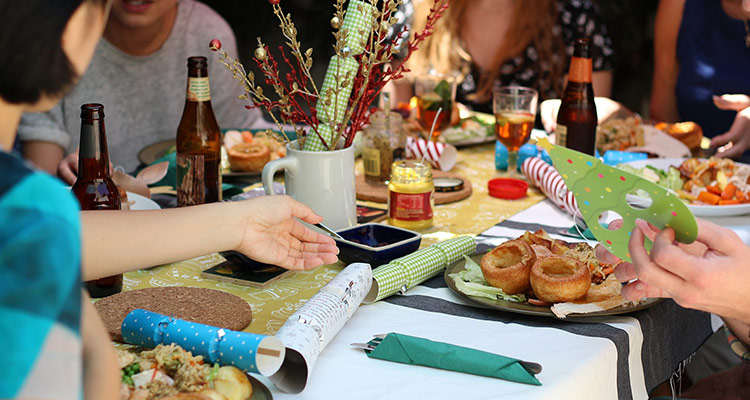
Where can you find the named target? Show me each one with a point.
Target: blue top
(40, 285)
(713, 60)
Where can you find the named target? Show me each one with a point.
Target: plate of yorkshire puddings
(538, 275)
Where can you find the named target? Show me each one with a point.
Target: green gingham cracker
(415, 268)
(358, 25)
(312, 141)
(341, 68)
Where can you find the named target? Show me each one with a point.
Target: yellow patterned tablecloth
(274, 304)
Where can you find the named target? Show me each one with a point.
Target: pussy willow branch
(290, 33)
(247, 82)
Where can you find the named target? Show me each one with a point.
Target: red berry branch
(296, 90)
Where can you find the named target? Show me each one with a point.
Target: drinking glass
(515, 110)
(435, 92)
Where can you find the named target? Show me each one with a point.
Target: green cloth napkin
(418, 351)
(412, 269)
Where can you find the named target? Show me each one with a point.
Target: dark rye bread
(205, 306)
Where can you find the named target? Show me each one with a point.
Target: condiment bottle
(94, 187)
(576, 120)
(384, 142)
(198, 141)
(410, 195)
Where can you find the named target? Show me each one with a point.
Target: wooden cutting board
(379, 193)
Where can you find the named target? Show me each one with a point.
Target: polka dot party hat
(599, 188)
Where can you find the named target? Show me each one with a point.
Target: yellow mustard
(410, 195)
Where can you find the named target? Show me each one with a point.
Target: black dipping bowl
(376, 244)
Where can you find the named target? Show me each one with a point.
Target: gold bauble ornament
(335, 23)
(261, 54)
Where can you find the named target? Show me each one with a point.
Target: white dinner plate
(698, 211)
(141, 202)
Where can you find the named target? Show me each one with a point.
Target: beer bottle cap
(507, 188)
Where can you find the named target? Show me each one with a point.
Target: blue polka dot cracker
(599, 188)
(247, 351)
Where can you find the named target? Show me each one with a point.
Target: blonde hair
(532, 23)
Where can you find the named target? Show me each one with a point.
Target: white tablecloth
(605, 358)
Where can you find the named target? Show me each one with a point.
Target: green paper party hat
(599, 188)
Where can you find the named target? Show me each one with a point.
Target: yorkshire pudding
(507, 266)
(557, 279)
(248, 157)
(687, 132)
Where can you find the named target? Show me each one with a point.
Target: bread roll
(248, 157)
(687, 132)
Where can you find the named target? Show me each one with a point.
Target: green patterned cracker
(358, 25)
(599, 188)
(312, 141)
(332, 108)
(413, 269)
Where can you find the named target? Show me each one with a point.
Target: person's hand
(710, 274)
(736, 102)
(273, 235)
(736, 140)
(67, 170)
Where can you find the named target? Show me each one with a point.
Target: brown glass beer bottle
(198, 141)
(576, 119)
(94, 187)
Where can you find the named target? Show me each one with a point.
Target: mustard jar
(384, 142)
(410, 195)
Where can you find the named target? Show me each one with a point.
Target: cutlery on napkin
(419, 351)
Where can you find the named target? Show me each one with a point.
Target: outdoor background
(630, 24)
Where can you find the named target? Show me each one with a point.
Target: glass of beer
(515, 110)
(436, 94)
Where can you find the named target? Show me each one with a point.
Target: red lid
(507, 188)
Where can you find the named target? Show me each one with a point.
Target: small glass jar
(384, 142)
(410, 195)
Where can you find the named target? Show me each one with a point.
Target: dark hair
(32, 60)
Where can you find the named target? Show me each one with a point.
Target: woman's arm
(44, 155)
(602, 83)
(666, 29)
(265, 229)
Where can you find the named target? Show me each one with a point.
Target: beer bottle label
(198, 89)
(190, 179)
(580, 70)
(371, 160)
(561, 135)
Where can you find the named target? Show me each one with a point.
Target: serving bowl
(376, 244)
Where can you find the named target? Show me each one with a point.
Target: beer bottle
(94, 187)
(576, 120)
(198, 141)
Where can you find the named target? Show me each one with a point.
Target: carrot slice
(728, 202)
(247, 136)
(713, 189)
(708, 198)
(728, 192)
